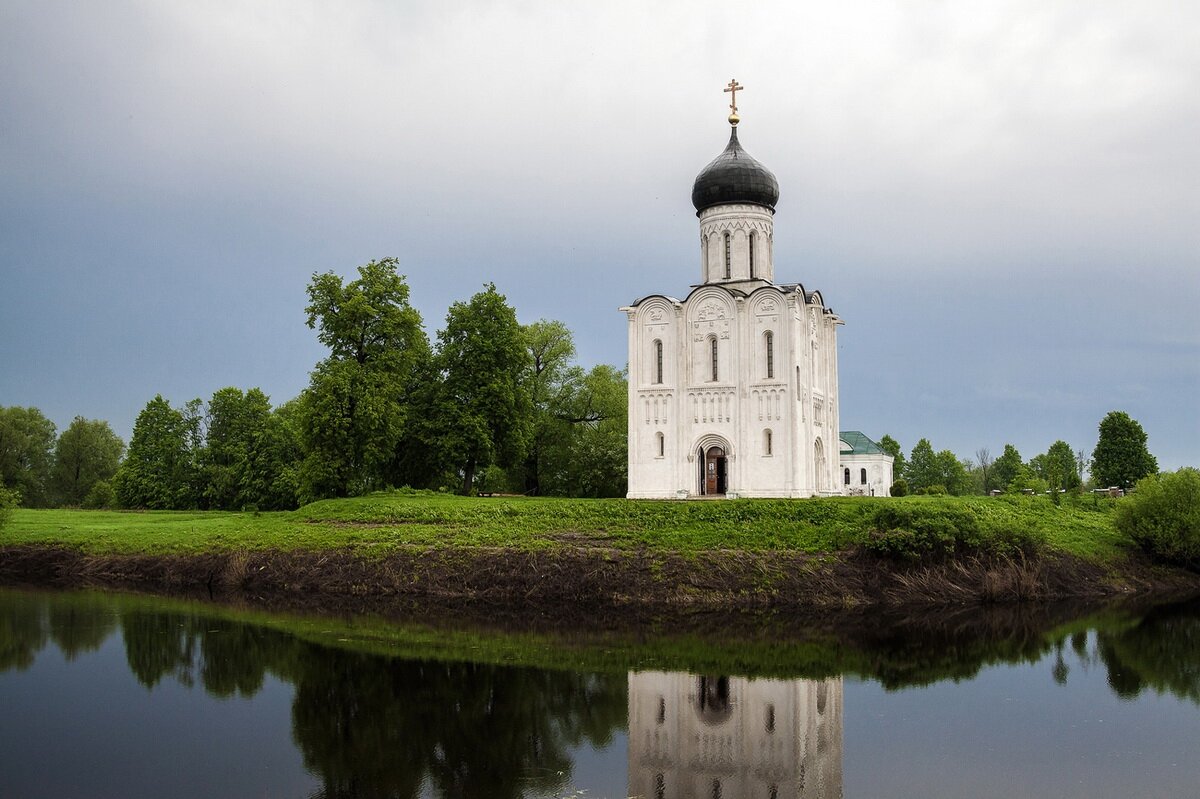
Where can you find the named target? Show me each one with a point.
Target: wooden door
(714, 471)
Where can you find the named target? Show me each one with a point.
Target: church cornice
(644, 300)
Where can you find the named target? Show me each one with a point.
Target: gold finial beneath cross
(733, 88)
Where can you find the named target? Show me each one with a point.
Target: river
(127, 696)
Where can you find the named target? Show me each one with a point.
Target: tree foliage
(159, 472)
(355, 410)
(1007, 467)
(269, 477)
(589, 455)
(935, 472)
(26, 454)
(233, 418)
(87, 452)
(1057, 467)
(921, 470)
(892, 447)
(550, 381)
(483, 411)
(9, 499)
(1121, 458)
(579, 443)
(250, 455)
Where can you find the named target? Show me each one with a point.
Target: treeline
(489, 405)
(1120, 459)
(40, 468)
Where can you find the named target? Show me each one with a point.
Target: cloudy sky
(1000, 198)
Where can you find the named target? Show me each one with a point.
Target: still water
(109, 695)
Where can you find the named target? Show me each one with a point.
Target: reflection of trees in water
(367, 725)
(374, 726)
(158, 645)
(1160, 652)
(22, 632)
(81, 625)
(378, 726)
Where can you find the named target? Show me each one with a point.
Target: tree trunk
(468, 476)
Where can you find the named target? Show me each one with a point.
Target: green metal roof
(858, 444)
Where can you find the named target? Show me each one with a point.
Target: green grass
(383, 522)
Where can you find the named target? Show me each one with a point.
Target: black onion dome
(734, 177)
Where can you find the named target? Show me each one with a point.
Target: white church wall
(700, 736)
(878, 470)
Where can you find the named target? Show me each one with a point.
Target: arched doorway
(713, 471)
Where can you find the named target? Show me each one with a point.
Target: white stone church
(733, 390)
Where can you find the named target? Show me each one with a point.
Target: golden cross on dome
(733, 88)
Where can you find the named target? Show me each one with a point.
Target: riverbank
(561, 555)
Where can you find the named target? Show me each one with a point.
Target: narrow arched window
(769, 342)
(728, 257)
(846, 478)
(770, 719)
(661, 444)
(752, 238)
(767, 442)
(658, 360)
(713, 347)
(862, 476)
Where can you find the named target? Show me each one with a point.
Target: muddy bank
(569, 580)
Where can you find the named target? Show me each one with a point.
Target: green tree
(234, 421)
(550, 382)
(892, 447)
(26, 446)
(952, 473)
(159, 471)
(922, 470)
(1027, 479)
(87, 452)
(927, 470)
(355, 410)
(270, 475)
(589, 458)
(1006, 468)
(1057, 467)
(1121, 458)
(483, 413)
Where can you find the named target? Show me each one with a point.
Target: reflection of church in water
(693, 737)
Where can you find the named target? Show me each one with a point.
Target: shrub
(100, 496)
(9, 499)
(938, 530)
(899, 488)
(1163, 516)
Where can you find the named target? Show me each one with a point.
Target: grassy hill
(386, 522)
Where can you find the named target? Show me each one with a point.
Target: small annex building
(733, 389)
(866, 467)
